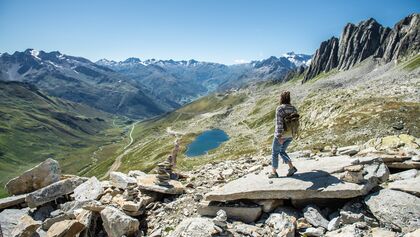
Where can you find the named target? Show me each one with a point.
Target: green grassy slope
(34, 127)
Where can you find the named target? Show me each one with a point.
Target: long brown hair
(285, 97)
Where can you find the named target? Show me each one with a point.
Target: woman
(282, 136)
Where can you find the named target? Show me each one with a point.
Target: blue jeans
(280, 149)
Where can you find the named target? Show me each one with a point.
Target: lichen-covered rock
(117, 224)
(395, 209)
(313, 215)
(38, 177)
(53, 191)
(26, 227)
(89, 190)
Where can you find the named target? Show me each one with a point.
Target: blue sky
(225, 31)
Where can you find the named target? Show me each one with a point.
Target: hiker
(287, 122)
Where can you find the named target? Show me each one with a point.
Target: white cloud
(240, 61)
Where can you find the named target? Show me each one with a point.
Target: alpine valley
(361, 89)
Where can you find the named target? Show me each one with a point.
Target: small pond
(206, 141)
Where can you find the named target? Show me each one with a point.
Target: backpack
(291, 124)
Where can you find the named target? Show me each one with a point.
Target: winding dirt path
(117, 162)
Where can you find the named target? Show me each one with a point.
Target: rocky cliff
(368, 38)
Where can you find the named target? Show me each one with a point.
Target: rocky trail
(367, 190)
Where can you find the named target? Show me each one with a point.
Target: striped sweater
(281, 112)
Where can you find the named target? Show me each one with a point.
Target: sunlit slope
(338, 108)
(34, 127)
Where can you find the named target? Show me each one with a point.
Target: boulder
(150, 183)
(89, 219)
(89, 190)
(315, 179)
(348, 150)
(197, 227)
(314, 232)
(117, 224)
(282, 224)
(136, 173)
(313, 215)
(40, 176)
(53, 191)
(407, 174)
(121, 180)
(26, 227)
(66, 228)
(408, 185)
(12, 201)
(395, 209)
(246, 214)
(9, 219)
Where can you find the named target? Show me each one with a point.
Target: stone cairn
(131, 193)
(164, 173)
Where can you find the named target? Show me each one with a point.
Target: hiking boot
(273, 175)
(291, 172)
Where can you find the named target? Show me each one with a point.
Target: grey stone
(12, 201)
(408, 185)
(50, 221)
(53, 191)
(334, 224)
(65, 228)
(313, 215)
(407, 174)
(315, 179)
(117, 224)
(26, 227)
(136, 173)
(9, 219)
(121, 180)
(40, 176)
(197, 227)
(314, 231)
(396, 209)
(89, 190)
(348, 150)
(243, 213)
(350, 218)
(282, 224)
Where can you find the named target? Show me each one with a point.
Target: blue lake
(206, 141)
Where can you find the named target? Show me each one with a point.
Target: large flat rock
(408, 185)
(149, 183)
(315, 179)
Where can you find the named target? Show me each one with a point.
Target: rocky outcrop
(38, 177)
(395, 209)
(321, 178)
(89, 190)
(368, 38)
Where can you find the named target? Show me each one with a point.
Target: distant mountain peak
(132, 60)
